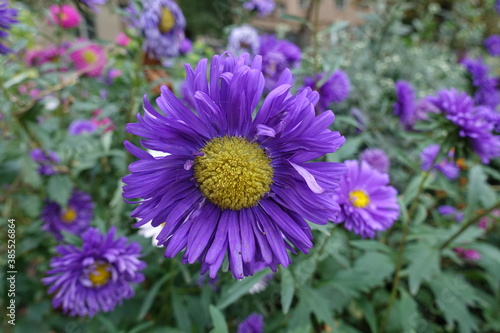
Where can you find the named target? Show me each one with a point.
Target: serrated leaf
(317, 304)
(475, 186)
(287, 289)
(59, 189)
(150, 297)
(240, 288)
(371, 245)
(218, 320)
(405, 317)
(424, 264)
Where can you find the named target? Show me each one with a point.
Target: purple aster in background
(242, 40)
(79, 127)
(237, 181)
(497, 6)
(95, 277)
(277, 55)
(92, 4)
(485, 87)
(46, 161)
(8, 16)
(75, 218)
(334, 90)
(473, 124)
(368, 204)
(163, 24)
(132, 16)
(468, 254)
(492, 44)
(451, 211)
(377, 159)
(254, 323)
(263, 7)
(404, 107)
(186, 46)
(446, 166)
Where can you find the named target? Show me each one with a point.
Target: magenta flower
(468, 254)
(122, 39)
(89, 59)
(65, 16)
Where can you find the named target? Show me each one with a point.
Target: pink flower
(106, 124)
(90, 59)
(122, 39)
(468, 254)
(38, 57)
(65, 16)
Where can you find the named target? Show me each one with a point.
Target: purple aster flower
(377, 159)
(46, 161)
(276, 56)
(92, 4)
(468, 254)
(446, 166)
(334, 90)
(404, 107)
(186, 46)
(485, 87)
(236, 181)
(361, 119)
(473, 123)
(96, 277)
(254, 323)
(163, 24)
(451, 211)
(497, 6)
(263, 7)
(132, 16)
(8, 16)
(492, 44)
(368, 204)
(243, 39)
(75, 218)
(79, 127)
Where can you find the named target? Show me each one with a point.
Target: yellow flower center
(69, 215)
(101, 275)
(167, 20)
(89, 56)
(62, 16)
(233, 173)
(359, 198)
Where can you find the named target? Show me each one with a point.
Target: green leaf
(141, 327)
(59, 189)
(148, 300)
(371, 245)
(369, 314)
(298, 19)
(405, 316)
(317, 304)
(181, 312)
(424, 264)
(287, 289)
(240, 288)
(475, 186)
(218, 320)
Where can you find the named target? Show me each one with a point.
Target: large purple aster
(334, 90)
(75, 218)
(475, 124)
(96, 277)
(277, 55)
(446, 166)
(254, 323)
(368, 204)
(163, 24)
(8, 16)
(237, 181)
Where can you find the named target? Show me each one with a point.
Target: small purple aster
(257, 154)
(79, 127)
(254, 323)
(92, 4)
(497, 6)
(75, 218)
(404, 107)
(485, 87)
(451, 211)
(46, 161)
(334, 90)
(492, 44)
(377, 159)
(263, 7)
(277, 55)
(468, 254)
(244, 39)
(97, 276)
(163, 24)
(8, 16)
(368, 204)
(473, 124)
(446, 166)
(186, 46)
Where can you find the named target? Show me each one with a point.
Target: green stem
(467, 224)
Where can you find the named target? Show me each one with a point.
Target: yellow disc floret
(101, 275)
(359, 198)
(233, 173)
(69, 215)
(89, 56)
(167, 20)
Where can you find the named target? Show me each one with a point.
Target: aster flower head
(242, 40)
(90, 59)
(46, 161)
(492, 44)
(186, 46)
(485, 87)
(163, 24)
(65, 16)
(8, 16)
(96, 277)
(263, 7)
(451, 211)
(377, 159)
(446, 166)
(471, 123)
(277, 55)
(79, 127)
(468, 254)
(38, 57)
(254, 323)
(74, 218)
(497, 6)
(334, 90)
(368, 204)
(122, 39)
(236, 181)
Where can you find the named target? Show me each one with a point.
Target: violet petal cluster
(263, 7)
(244, 39)
(46, 161)
(8, 16)
(446, 166)
(377, 159)
(254, 323)
(334, 90)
